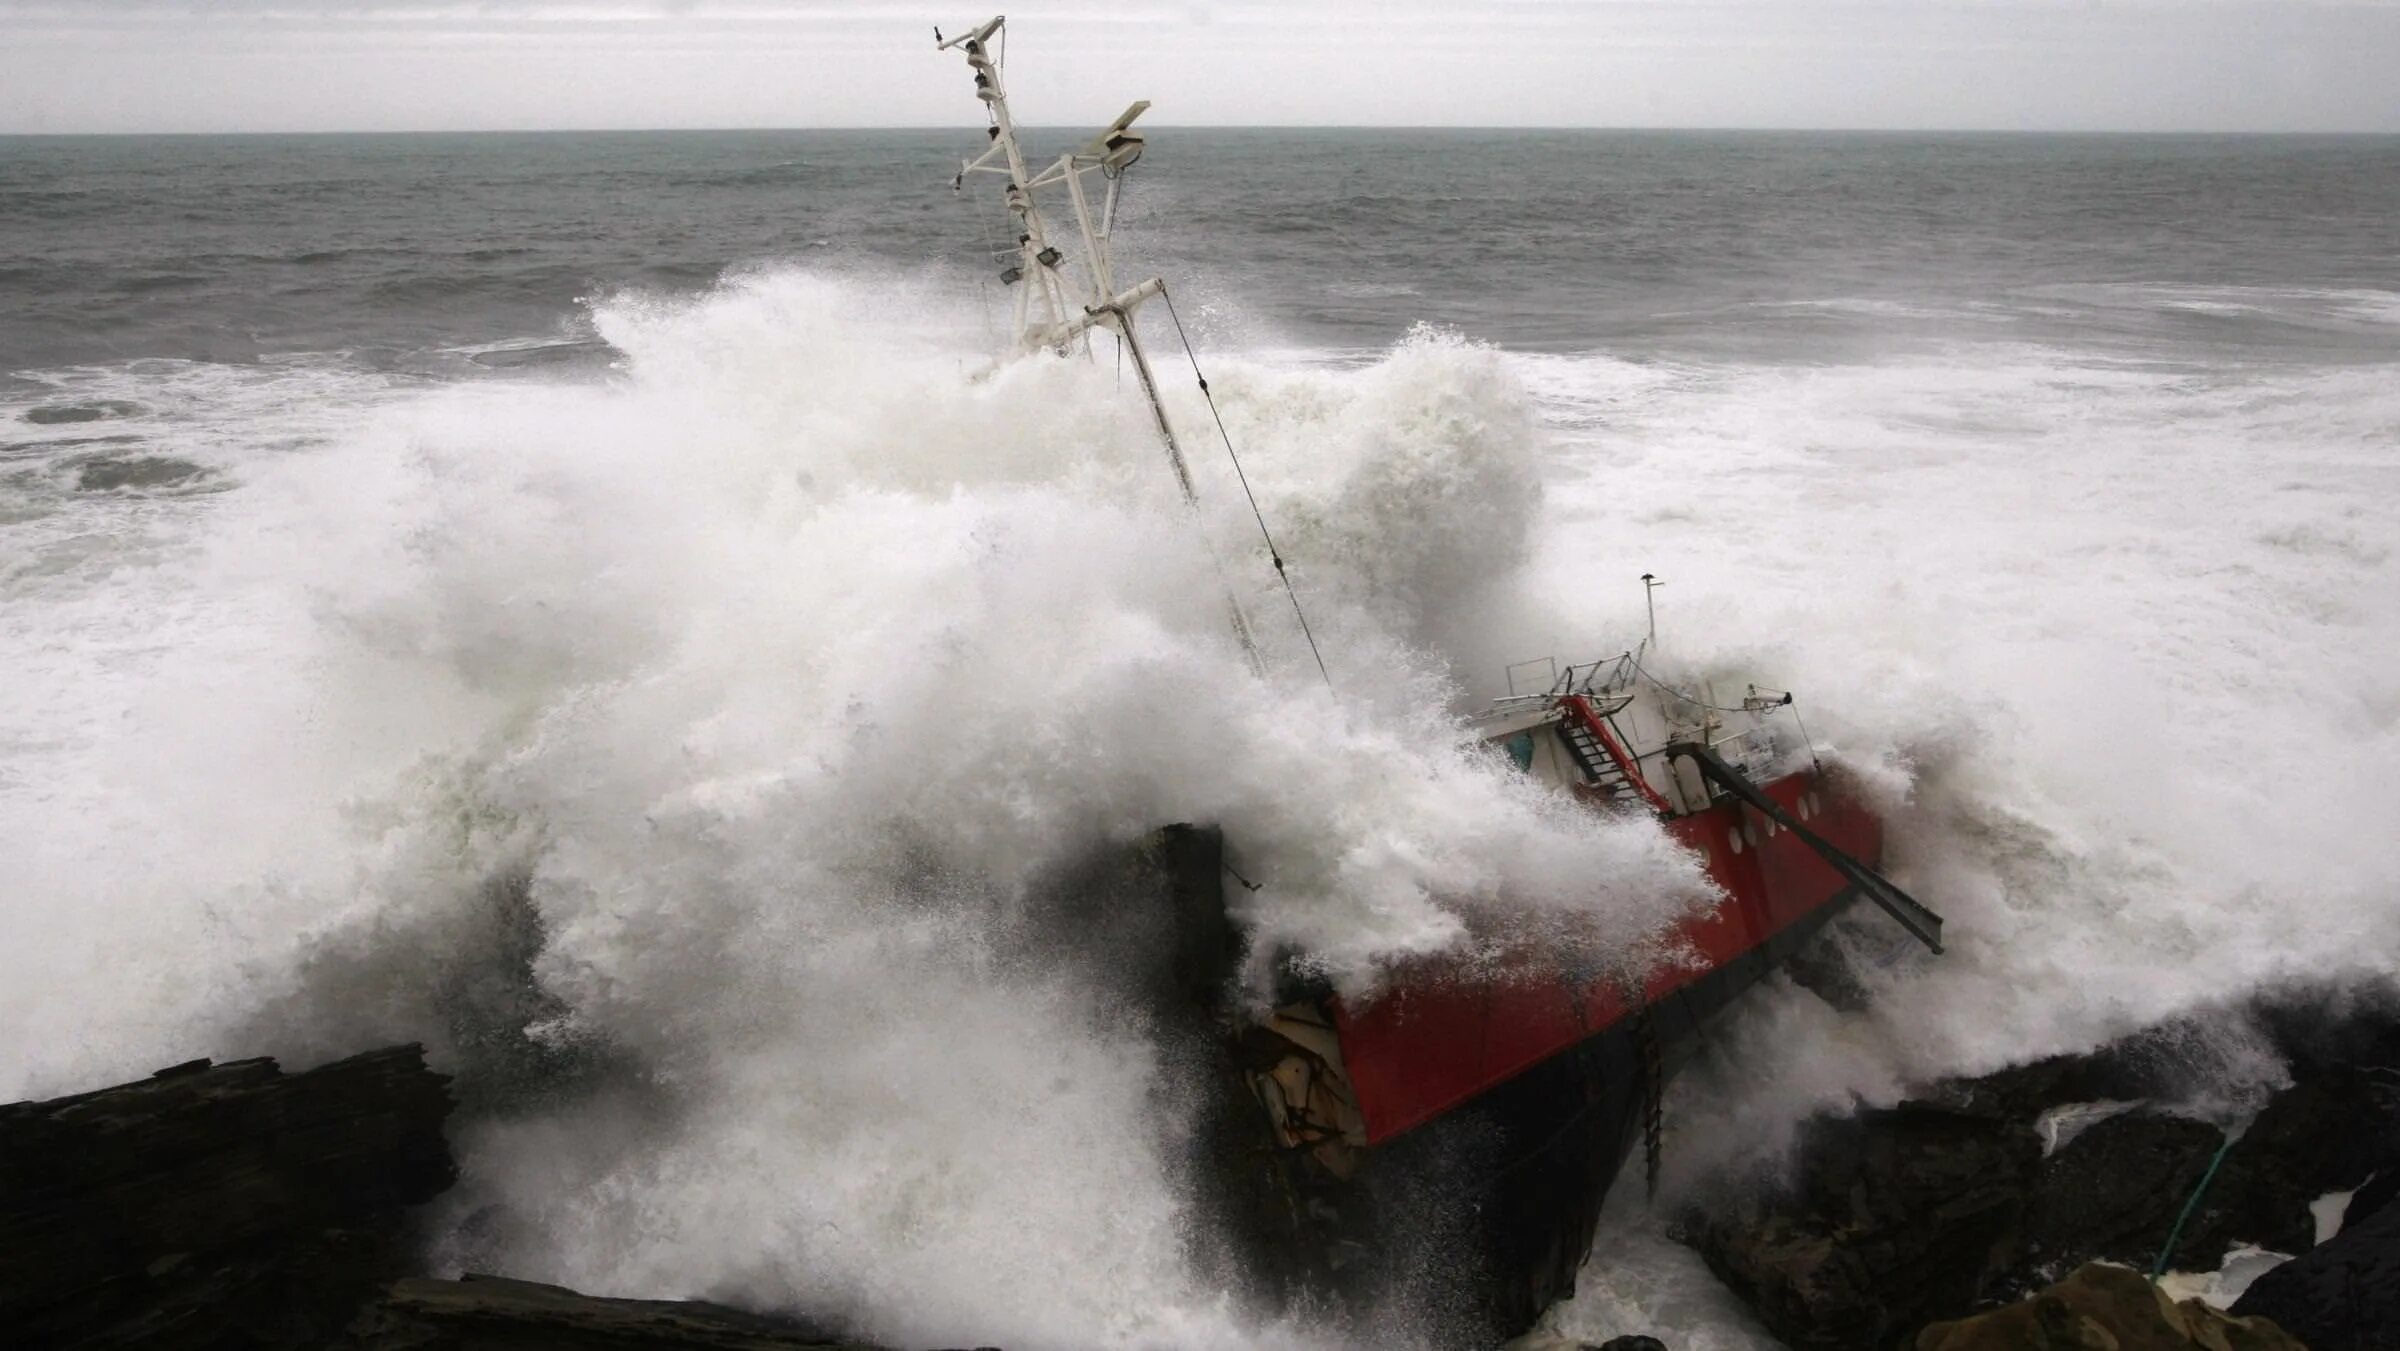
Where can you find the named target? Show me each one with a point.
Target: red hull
(1441, 1036)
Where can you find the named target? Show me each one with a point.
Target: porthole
(1750, 832)
(1736, 838)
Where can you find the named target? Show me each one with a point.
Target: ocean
(589, 602)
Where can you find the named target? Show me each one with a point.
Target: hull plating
(1442, 1035)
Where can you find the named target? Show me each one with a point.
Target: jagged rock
(2112, 1193)
(2344, 1294)
(1899, 1218)
(2380, 1191)
(2106, 1308)
(1896, 1218)
(2331, 1028)
(2334, 1128)
(2024, 1092)
(491, 1313)
(219, 1206)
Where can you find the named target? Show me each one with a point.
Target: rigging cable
(1256, 514)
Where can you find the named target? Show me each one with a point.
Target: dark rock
(2344, 1294)
(2332, 1130)
(237, 1208)
(2115, 1191)
(2379, 1192)
(2331, 1029)
(2024, 1092)
(1896, 1218)
(1632, 1344)
(1901, 1217)
(2169, 1062)
(490, 1313)
(2106, 1308)
(2112, 1193)
(220, 1206)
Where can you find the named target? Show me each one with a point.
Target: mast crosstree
(1052, 313)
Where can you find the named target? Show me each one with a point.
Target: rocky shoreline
(236, 1206)
(1985, 1191)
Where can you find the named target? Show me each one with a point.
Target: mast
(1050, 312)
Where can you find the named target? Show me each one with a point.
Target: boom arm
(1925, 925)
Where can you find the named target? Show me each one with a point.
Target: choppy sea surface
(583, 601)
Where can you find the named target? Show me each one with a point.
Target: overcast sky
(260, 65)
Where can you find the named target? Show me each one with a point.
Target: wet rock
(2332, 1130)
(2024, 1092)
(1631, 1344)
(220, 1206)
(1925, 1212)
(2344, 1294)
(2112, 1193)
(1896, 1218)
(2331, 1028)
(2380, 1191)
(2106, 1308)
(491, 1313)
(237, 1208)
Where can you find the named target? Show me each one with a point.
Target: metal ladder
(1600, 768)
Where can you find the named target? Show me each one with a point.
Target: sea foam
(691, 758)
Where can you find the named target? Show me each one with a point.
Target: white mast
(1050, 313)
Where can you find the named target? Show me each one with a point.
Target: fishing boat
(1463, 1126)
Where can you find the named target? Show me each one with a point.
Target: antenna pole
(1650, 586)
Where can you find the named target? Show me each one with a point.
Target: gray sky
(259, 65)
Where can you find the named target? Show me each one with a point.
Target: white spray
(774, 679)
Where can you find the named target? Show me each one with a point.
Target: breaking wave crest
(694, 758)
(717, 761)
